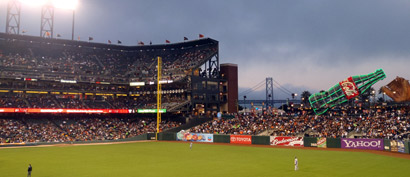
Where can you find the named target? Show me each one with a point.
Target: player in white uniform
(296, 164)
(190, 145)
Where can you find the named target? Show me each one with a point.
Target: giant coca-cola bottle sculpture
(344, 91)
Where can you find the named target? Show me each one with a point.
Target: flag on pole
(109, 41)
(90, 38)
(185, 38)
(119, 42)
(141, 43)
(166, 41)
(201, 36)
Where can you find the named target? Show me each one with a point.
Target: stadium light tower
(13, 17)
(47, 21)
(47, 13)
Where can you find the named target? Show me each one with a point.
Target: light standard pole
(293, 98)
(72, 30)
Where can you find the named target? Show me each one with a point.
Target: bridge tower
(269, 92)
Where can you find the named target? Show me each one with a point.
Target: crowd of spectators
(390, 125)
(77, 129)
(246, 125)
(143, 101)
(12, 101)
(26, 59)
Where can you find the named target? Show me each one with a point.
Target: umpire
(29, 170)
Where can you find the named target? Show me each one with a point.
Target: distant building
(229, 90)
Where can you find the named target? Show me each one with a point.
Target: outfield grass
(152, 159)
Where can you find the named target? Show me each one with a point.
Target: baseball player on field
(296, 164)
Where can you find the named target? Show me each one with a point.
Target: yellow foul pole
(159, 94)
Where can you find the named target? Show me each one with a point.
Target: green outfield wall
(222, 138)
(333, 143)
(150, 136)
(310, 141)
(386, 143)
(261, 140)
(167, 136)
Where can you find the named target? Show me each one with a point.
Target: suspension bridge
(269, 83)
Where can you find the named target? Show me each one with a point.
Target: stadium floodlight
(69, 5)
(65, 4)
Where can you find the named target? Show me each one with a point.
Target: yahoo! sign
(371, 144)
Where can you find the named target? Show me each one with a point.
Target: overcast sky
(303, 44)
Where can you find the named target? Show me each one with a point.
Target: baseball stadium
(82, 108)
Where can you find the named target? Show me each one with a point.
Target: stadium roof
(204, 41)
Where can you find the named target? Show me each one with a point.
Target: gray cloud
(304, 44)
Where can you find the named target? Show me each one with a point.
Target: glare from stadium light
(65, 4)
(34, 3)
(60, 4)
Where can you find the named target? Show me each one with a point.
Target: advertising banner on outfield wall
(286, 141)
(197, 137)
(321, 142)
(241, 139)
(371, 144)
(400, 146)
(393, 146)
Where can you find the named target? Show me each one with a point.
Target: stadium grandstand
(110, 88)
(54, 73)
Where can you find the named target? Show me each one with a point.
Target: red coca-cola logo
(349, 88)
